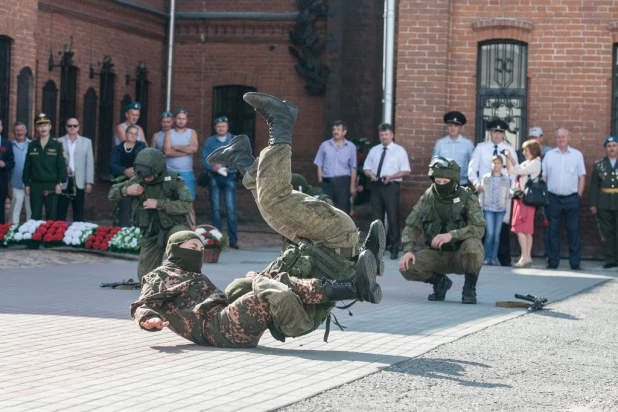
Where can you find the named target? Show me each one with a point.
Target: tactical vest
(454, 212)
(151, 221)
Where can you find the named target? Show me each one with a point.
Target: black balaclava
(187, 259)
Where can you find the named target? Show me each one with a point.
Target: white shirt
(395, 161)
(480, 163)
(459, 150)
(71, 154)
(563, 170)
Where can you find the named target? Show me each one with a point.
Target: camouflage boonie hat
(443, 167)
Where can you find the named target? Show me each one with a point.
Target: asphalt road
(564, 358)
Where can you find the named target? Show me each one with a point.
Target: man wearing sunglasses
(80, 169)
(451, 218)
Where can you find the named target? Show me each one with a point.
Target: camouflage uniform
(199, 312)
(459, 214)
(156, 225)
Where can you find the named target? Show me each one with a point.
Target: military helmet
(443, 167)
(299, 183)
(149, 162)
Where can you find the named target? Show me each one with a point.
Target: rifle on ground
(125, 284)
(537, 301)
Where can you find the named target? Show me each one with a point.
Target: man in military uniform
(44, 171)
(177, 295)
(161, 201)
(603, 200)
(325, 239)
(452, 219)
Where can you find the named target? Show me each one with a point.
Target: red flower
(2, 149)
(104, 246)
(96, 245)
(603, 240)
(49, 222)
(88, 245)
(47, 238)
(37, 236)
(546, 223)
(209, 242)
(218, 243)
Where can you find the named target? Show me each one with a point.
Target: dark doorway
(106, 123)
(5, 76)
(227, 101)
(25, 89)
(126, 100)
(50, 99)
(68, 95)
(89, 124)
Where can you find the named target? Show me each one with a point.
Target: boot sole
(449, 284)
(376, 236)
(211, 159)
(368, 268)
(291, 107)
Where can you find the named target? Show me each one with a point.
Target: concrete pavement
(70, 345)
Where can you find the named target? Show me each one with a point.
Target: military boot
(468, 295)
(238, 154)
(362, 286)
(441, 283)
(280, 116)
(376, 243)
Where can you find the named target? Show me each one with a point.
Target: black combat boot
(468, 295)
(238, 154)
(376, 243)
(362, 286)
(280, 116)
(441, 283)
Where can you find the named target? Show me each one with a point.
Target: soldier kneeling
(452, 220)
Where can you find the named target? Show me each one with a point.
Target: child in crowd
(495, 200)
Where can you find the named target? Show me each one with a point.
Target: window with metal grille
(25, 92)
(50, 99)
(227, 101)
(502, 88)
(614, 126)
(5, 75)
(68, 96)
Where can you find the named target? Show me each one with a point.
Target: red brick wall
(569, 69)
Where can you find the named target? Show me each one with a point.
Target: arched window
(25, 89)
(89, 124)
(68, 95)
(50, 99)
(227, 101)
(106, 121)
(502, 87)
(5, 76)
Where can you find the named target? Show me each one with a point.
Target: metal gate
(227, 101)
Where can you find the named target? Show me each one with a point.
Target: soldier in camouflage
(452, 219)
(324, 239)
(161, 201)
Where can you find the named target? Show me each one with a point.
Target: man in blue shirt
(454, 145)
(336, 162)
(222, 179)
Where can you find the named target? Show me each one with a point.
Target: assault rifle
(537, 301)
(125, 284)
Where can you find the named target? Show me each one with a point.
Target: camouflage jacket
(464, 219)
(189, 301)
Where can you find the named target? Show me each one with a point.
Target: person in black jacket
(7, 162)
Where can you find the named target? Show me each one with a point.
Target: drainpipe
(170, 55)
(388, 62)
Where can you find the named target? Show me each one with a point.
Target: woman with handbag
(522, 222)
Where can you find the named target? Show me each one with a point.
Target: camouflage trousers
(283, 299)
(468, 259)
(291, 213)
(151, 254)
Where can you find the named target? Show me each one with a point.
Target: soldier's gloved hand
(58, 189)
(150, 204)
(441, 239)
(154, 323)
(404, 262)
(135, 190)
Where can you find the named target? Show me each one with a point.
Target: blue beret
(609, 140)
(165, 114)
(181, 110)
(220, 119)
(133, 105)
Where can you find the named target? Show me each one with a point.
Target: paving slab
(68, 344)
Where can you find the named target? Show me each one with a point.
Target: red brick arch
(502, 28)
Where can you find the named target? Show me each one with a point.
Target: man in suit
(80, 169)
(7, 163)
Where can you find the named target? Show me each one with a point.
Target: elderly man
(565, 173)
(131, 112)
(454, 145)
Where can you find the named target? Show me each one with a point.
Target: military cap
(165, 114)
(220, 119)
(181, 110)
(497, 125)
(42, 118)
(457, 118)
(133, 106)
(535, 132)
(609, 140)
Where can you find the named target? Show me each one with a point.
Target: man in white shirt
(80, 169)
(454, 145)
(565, 173)
(480, 164)
(385, 166)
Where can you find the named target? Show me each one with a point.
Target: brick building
(546, 63)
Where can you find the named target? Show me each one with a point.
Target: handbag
(535, 192)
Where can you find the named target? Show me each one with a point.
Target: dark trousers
(77, 202)
(4, 192)
(385, 198)
(43, 194)
(124, 211)
(608, 224)
(338, 189)
(567, 207)
(504, 248)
